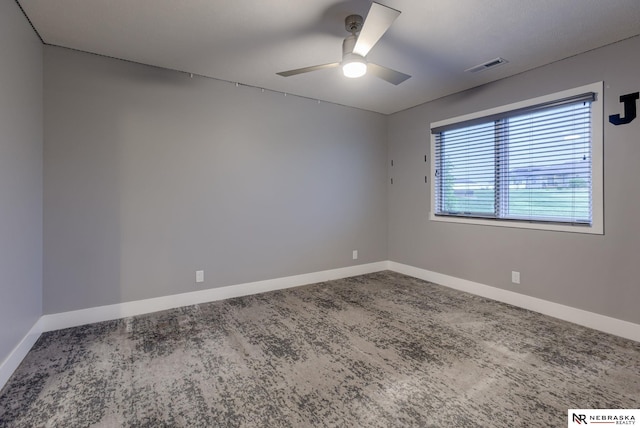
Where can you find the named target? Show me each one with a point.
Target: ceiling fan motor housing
(353, 65)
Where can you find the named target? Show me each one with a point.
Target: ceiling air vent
(489, 64)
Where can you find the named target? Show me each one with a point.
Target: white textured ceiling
(248, 41)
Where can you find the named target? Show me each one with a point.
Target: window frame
(597, 164)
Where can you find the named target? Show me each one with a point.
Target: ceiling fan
(364, 36)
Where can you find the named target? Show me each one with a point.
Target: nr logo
(580, 419)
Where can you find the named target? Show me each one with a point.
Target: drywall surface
(20, 177)
(151, 175)
(597, 273)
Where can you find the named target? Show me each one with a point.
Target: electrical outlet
(515, 277)
(199, 276)
(355, 254)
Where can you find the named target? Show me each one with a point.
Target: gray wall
(151, 175)
(596, 273)
(20, 177)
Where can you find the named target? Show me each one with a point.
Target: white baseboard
(592, 320)
(13, 360)
(110, 312)
(140, 307)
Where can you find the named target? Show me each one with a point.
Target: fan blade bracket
(377, 22)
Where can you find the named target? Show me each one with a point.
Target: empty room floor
(375, 350)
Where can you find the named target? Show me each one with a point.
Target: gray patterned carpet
(379, 350)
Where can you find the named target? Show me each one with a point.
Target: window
(533, 164)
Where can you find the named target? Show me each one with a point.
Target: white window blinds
(530, 164)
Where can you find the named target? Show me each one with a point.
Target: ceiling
(248, 41)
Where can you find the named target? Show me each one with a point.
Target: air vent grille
(486, 65)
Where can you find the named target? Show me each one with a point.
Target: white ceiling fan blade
(378, 21)
(307, 69)
(391, 76)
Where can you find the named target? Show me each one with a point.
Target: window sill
(595, 229)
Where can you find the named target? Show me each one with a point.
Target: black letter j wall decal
(629, 101)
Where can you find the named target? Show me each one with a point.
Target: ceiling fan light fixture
(354, 65)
